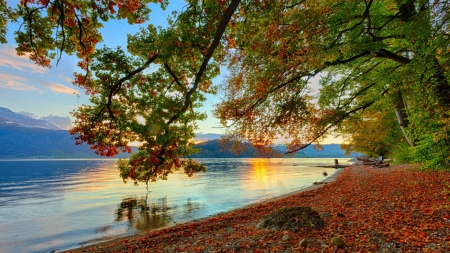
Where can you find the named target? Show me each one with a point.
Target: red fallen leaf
(387, 205)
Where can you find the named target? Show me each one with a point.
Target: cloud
(13, 82)
(65, 78)
(10, 59)
(61, 122)
(59, 88)
(29, 114)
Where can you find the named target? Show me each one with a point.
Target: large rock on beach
(293, 219)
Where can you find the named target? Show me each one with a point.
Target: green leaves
(365, 51)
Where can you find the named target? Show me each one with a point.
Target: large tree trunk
(402, 117)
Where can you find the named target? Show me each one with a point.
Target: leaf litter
(395, 209)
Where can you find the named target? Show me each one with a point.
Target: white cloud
(10, 59)
(65, 78)
(14, 82)
(59, 88)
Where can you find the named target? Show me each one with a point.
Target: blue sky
(26, 87)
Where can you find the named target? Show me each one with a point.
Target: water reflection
(141, 215)
(259, 170)
(40, 180)
(191, 206)
(55, 205)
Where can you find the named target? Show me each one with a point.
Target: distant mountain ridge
(213, 149)
(22, 137)
(328, 151)
(19, 142)
(9, 117)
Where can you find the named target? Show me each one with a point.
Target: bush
(433, 154)
(402, 153)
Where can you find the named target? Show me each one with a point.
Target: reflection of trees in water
(191, 206)
(143, 216)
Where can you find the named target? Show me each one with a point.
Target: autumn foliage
(366, 56)
(397, 209)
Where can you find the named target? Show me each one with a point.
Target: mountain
(328, 151)
(9, 117)
(213, 149)
(22, 137)
(20, 142)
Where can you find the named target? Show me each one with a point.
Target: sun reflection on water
(259, 170)
(258, 176)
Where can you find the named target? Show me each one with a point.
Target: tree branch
(383, 53)
(113, 91)
(333, 124)
(220, 30)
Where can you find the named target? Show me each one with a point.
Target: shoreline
(365, 209)
(101, 244)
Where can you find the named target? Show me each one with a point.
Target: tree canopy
(390, 54)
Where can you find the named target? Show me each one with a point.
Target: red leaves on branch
(393, 209)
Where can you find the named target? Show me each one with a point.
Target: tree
(368, 51)
(373, 132)
(128, 102)
(365, 51)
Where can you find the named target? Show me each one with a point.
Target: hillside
(213, 149)
(22, 137)
(9, 117)
(328, 151)
(18, 142)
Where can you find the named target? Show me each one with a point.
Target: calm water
(50, 205)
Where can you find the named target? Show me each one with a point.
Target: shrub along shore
(394, 209)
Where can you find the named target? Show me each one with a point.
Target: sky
(49, 93)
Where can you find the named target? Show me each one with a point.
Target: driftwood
(367, 161)
(381, 165)
(372, 161)
(332, 166)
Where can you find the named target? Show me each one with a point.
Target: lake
(57, 205)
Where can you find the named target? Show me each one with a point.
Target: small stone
(286, 238)
(322, 244)
(303, 243)
(337, 241)
(325, 215)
